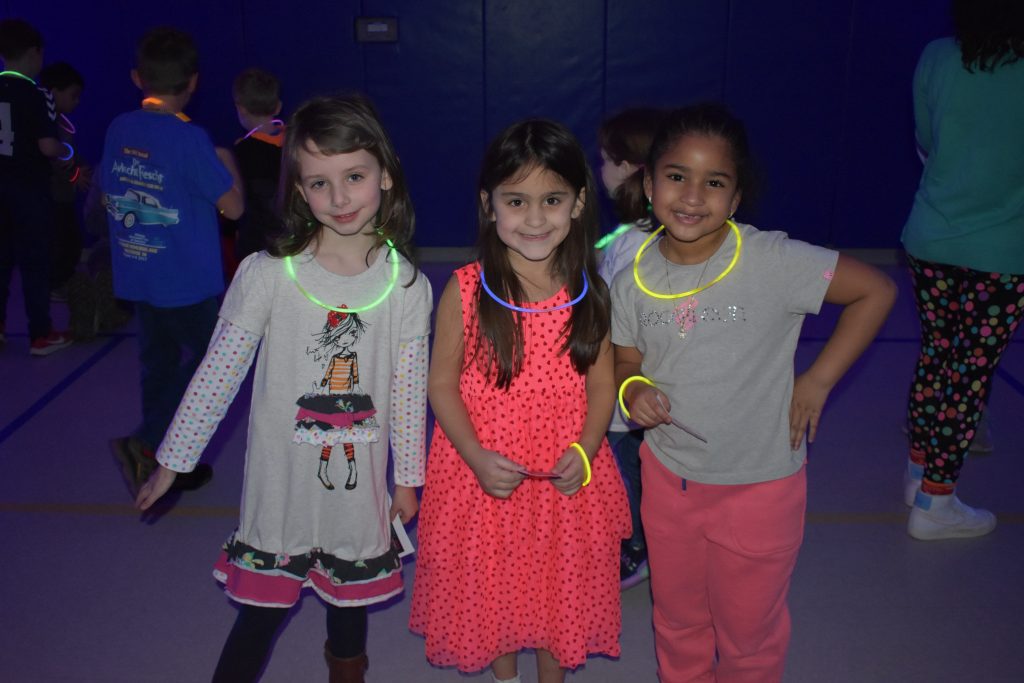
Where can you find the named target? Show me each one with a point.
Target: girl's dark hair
(990, 32)
(517, 151)
(627, 137)
(60, 76)
(711, 119)
(340, 125)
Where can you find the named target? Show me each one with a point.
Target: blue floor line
(1017, 385)
(16, 424)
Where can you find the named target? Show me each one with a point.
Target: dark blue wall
(824, 87)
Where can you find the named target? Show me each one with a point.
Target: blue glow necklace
(523, 309)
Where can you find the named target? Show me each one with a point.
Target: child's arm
(408, 426)
(498, 476)
(231, 204)
(867, 295)
(204, 405)
(52, 148)
(647, 405)
(600, 403)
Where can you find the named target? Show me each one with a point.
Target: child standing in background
(257, 96)
(65, 84)
(28, 144)
(523, 511)
(163, 184)
(337, 283)
(705, 326)
(965, 246)
(625, 140)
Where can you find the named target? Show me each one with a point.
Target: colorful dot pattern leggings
(967, 319)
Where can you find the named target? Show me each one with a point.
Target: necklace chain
(679, 315)
(656, 295)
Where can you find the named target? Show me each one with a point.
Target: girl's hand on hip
(570, 467)
(809, 398)
(648, 407)
(155, 487)
(498, 476)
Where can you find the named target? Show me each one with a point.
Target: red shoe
(51, 343)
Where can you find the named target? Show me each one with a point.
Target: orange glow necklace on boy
(392, 255)
(157, 105)
(699, 288)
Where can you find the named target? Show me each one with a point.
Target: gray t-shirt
(308, 350)
(731, 377)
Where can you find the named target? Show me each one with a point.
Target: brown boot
(348, 669)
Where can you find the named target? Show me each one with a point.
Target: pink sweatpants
(721, 559)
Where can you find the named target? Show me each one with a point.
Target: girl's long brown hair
(340, 125)
(512, 155)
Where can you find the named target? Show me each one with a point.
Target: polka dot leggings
(967, 319)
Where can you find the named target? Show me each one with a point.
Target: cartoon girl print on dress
(337, 411)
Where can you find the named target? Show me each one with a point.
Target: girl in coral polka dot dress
(523, 511)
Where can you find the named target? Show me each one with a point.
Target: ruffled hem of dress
(258, 577)
(261, 590)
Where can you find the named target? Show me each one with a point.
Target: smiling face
(343, 191)
(533, 213)
(693, 190)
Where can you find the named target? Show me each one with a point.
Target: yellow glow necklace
(656, 295)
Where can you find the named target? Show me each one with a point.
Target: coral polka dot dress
(536, 570)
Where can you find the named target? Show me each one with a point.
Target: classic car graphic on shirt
(136, 206)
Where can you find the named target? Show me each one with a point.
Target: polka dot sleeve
(209, 394)
(409, 412)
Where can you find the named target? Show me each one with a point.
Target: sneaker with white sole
(633, 567)
(51, 343)
(934, 518)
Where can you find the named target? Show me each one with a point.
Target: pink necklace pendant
(683, 316)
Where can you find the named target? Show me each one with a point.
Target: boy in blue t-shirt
(163, 183)
(28, 141)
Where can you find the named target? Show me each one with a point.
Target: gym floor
(94, 592)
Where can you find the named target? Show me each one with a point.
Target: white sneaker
(934, 518)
